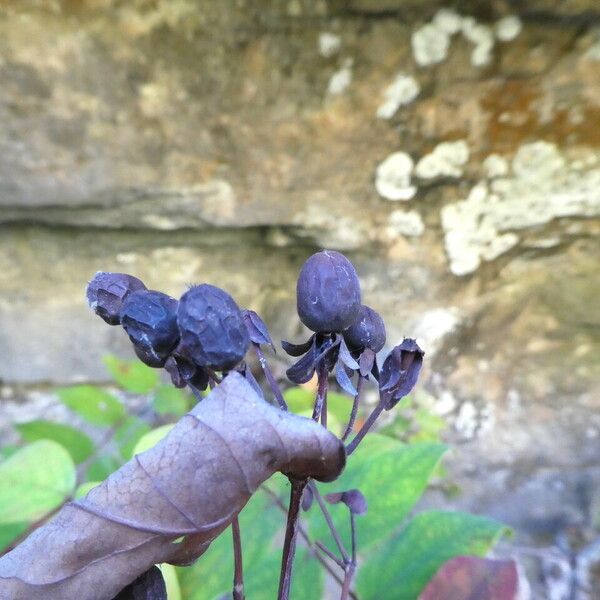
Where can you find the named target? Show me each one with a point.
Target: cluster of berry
(205, 331)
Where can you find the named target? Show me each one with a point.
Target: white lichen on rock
(482, 37)
(446, 160)
(543, 186)
(448, 21)
(495, 166)
(508, 28)
(329, 44)
(341, 79)
(432, 327)
(406, 223)
(392, 177)
(430, 44)
(402, 91)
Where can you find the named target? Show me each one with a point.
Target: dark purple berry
(107, 291)
(213, 331)
(328, 292)
(368, 331)
(150, 320)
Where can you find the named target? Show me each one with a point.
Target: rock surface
(188, 141)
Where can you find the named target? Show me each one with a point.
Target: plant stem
(330, 523)
(325, 550)
(321, 399)
(348, 577)
(314, 547)
(289, 544)
(270, 377)
(351, 447)
(238, 572)
(352, 419)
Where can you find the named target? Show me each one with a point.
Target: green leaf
(299, 399)
(171, 581)
(9, 533)
(402, 566)
(84, 488)
(77, 444)
(93, 404)
(132, 375)
(391, 475)
(34, 481)
(102, 467)
(170, 400)
(6, 451)
(152, 438)
(129, 434)
(211, 577)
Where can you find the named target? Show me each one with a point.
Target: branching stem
(289, 544)
(354, 411)
(351, 447)
(238, 572)
(332, 528)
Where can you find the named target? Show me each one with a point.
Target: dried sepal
(400, 371)
(257, 330)
(353, 499)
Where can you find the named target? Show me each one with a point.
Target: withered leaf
(474, 578)
(167, 504)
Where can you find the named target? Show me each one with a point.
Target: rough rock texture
(188, 141)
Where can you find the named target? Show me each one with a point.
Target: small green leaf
(171, 581)
(170, 400)
(299, 399)
(93, 404)
(77, 444)
(402, 566)
(132, 375)
(211, 577)
(391, 475)
(150, 439)
(102, 467)
(10, 533)
(84, 488)
(34, 481)
(6, 451)
(129, 434)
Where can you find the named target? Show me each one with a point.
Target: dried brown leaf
(167, 504)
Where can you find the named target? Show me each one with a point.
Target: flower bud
(367, 331)
(107, 291)
(150, 320)
(328, 292)
(213, 331)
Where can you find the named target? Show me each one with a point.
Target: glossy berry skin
(328, 292)
(367, 331)
(213, 332)
(106, 293)
(150, 320)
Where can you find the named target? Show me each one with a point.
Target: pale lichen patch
(446, 160)
(329, 44)
(402, 91)
(406, 223)
(393, 177)
(508, 28)
(544, 185)
(341, 79)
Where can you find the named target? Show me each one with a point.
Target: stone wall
(453, 154)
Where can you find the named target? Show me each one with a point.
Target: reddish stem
(238, 572)
(354, 411)
(289, 544)
(270, 377)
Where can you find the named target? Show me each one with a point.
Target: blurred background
(450, 149)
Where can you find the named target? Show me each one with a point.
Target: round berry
(328, 292)
(106, 293)
(150, 320)
(213, 332)
(367, 331)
